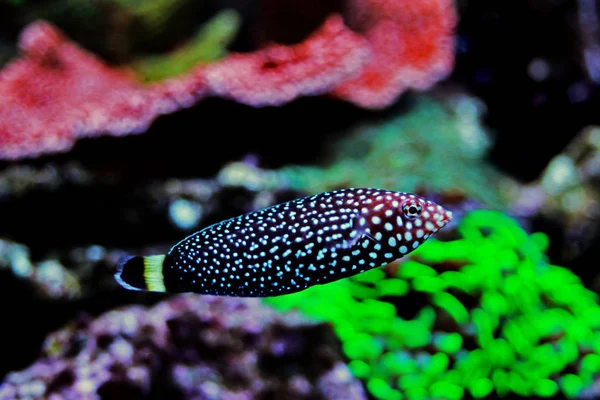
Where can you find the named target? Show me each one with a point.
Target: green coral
(152, 12)
(498, 318)
(207, 46)
(437, 144)
(121, 31)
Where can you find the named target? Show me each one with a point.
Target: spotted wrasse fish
(291, 246)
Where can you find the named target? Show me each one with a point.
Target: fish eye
(411, 209)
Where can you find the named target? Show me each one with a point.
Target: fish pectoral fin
(355, 234)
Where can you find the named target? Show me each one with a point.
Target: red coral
(57, 92)
(279, 74)
(412, 43)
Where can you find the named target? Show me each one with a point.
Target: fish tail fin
(142, 273)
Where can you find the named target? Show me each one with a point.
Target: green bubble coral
(495, 316)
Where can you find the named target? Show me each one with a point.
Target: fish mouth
(443, 218)
(447, 216)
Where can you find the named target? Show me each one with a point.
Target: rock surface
(189, 347)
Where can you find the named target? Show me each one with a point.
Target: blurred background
(127, 125)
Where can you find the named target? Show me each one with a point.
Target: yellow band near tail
(153, 273)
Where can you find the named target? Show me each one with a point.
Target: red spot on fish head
(422, 217)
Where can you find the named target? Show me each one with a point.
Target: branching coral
(498, 318)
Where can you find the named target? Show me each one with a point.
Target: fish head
(421, 217)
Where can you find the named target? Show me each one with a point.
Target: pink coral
(57, 92)
(279, 74)
(412, 44)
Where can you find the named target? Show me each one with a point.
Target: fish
(291, 246)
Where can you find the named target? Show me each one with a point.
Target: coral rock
(193, 347)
